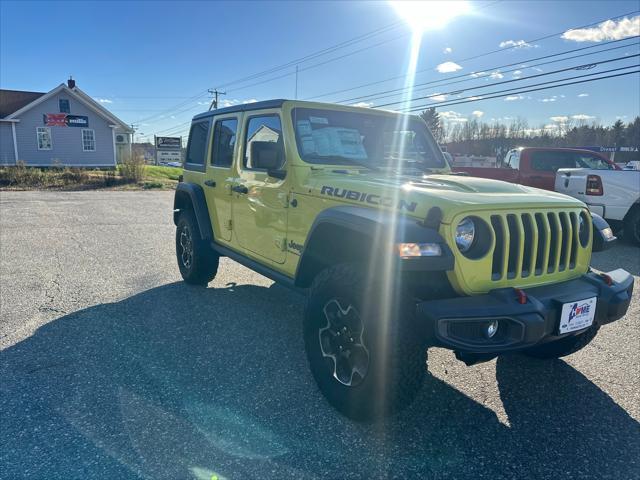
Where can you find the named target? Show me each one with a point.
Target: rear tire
(632, 225)
(366, 365)
(197, 261)
(564, 347)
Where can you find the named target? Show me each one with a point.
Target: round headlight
(465, 233)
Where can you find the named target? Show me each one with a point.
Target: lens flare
(430, 15)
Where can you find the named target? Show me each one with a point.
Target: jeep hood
(414, 196)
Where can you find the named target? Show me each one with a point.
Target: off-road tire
(397, 355)
(632, 225)
(203, 264)
(564, 347)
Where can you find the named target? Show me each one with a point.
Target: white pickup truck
(612, 194)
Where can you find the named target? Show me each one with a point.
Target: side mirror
(603, 237)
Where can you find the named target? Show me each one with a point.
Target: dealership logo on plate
(579, 310)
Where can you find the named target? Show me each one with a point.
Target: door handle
(210, 183)
(240, 189)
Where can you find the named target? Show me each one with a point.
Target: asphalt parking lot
(111, 367)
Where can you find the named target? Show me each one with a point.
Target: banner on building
(65, 120)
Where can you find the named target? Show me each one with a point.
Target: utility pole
(214, 102)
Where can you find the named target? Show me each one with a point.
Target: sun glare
(429, 15)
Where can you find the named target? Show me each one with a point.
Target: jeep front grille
(528, 247)
(534, 244)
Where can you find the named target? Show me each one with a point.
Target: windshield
(400, 144)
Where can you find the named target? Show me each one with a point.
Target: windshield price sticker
(322, 120)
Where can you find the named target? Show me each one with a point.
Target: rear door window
(551, 161)
(197, 146)
(224, 142)
(594, 162)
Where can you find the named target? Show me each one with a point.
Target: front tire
(564, 347)
(197, 261)
(367, 364)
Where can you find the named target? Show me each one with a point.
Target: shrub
(109, 178)
(148, 185)
(73, 175)
(132, 167)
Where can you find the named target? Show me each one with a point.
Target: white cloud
(609, 30)
(439, 97)
(516, 44)
(559, 118)
(517, 73)
(496, 75)
(103, 100)
(537, 69)
(448, 67)
(513, 98)
(582, 116)
(549, 99)
(475, 98)
(583, 95)
(478, 74)
(451, 116)
(230, 102)
(204, 103)
(447, 50)
(477, 113)
(363, 104)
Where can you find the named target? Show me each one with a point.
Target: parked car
(536, 167)
(632, 165)
(357, 209)
(612, 194)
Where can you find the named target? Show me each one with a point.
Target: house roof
(80, 96)
(13, 100)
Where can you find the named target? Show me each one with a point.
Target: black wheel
(197, 261)
(564, 347)
(632, 225)
(368, 364)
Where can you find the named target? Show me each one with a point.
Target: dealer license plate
(577, 315)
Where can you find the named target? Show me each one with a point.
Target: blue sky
(152, 62)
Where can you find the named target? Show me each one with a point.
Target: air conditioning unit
(122, 138)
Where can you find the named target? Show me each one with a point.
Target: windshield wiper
(350, 161)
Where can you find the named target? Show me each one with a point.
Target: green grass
(22, 177)
(152, 172)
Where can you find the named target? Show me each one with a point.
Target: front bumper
(459, 323)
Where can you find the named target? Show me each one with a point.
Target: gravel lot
(112, 368)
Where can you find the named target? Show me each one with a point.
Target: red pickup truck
(536, 167)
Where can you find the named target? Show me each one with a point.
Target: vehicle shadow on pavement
(184, 382)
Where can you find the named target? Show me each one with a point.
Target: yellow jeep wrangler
(358, 209)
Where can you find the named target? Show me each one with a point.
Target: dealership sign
(65, 120)
(169, 156)
(168, 143)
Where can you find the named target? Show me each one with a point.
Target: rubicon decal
(370, 198)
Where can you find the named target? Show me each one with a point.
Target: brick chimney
(71, 83)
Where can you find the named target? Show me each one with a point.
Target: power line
(554, 72)
(488, 72)
(511, 91)
(319, 53)
(474, 57)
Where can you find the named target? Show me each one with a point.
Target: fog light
(492, 328)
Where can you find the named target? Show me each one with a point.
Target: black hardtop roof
(242, 107)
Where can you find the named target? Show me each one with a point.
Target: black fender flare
(603, 239)
(193, 194)
(383, 229)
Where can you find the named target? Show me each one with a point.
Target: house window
(44, 138)
(88, 140)
(63, 103)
